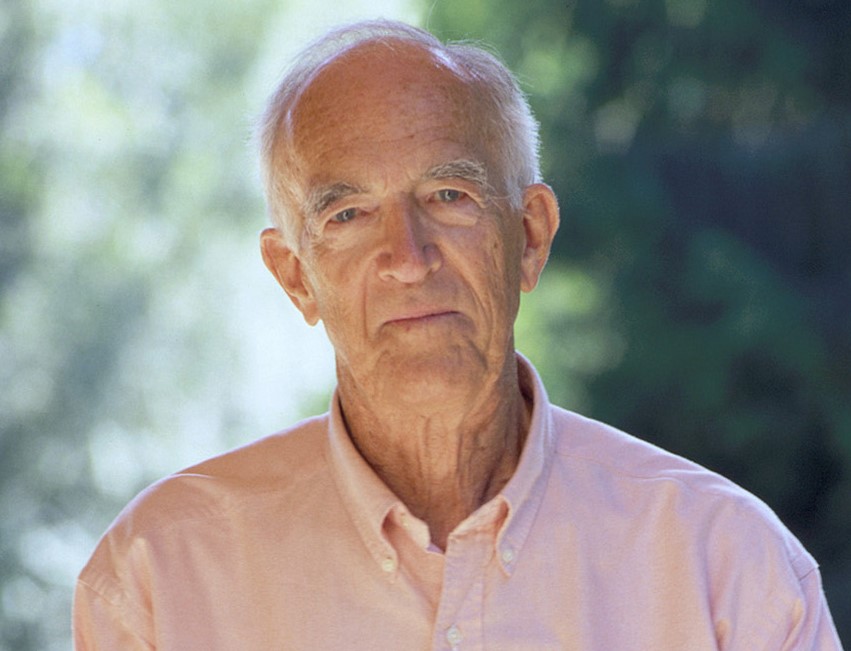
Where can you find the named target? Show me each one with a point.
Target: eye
(344, 216)
(449, 195)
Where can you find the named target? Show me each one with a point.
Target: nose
(408, 252)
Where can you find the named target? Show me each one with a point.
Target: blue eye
(449, 195)
(346, 215)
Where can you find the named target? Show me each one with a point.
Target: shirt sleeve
(103, 625)
(766, 592)
(812, 626)
(793, 614)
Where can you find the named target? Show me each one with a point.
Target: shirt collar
(369, 501)
(524, 492)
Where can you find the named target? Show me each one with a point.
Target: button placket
(453, 636)
(459, 618)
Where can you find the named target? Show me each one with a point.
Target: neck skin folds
(442, 458)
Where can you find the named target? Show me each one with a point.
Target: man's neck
(444, 461)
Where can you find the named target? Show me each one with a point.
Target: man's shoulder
(694, 524)
(617, 471)
(277, 464)
(209, 504)
(612, 464)
(273, 459)
(591, 441)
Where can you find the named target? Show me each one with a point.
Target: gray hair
(503, 116)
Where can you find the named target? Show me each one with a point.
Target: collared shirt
(599, 542)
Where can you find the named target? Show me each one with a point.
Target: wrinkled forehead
(394, 81)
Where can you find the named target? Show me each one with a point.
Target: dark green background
(721, 229)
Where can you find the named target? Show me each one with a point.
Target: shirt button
(388, 565)
(453, 636)
(507, 555)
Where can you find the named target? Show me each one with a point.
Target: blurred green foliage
(699, 294)
(117, 212)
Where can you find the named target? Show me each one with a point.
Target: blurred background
(699, 294)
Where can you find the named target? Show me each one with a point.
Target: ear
(540, 223)
(287, 269)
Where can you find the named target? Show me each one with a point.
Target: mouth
(420, 317)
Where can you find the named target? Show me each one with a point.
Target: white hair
(501, 114)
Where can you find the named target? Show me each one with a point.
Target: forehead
(377, 97)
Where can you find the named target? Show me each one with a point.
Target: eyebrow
(466, 169)
(319, 199)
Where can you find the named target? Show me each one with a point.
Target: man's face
(408, 258)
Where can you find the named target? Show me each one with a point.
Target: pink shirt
(600, 542)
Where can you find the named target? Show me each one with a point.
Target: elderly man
(442, 503)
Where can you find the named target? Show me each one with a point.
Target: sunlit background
(699, 294)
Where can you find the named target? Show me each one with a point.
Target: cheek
(328, 293)
(506, 248)
(337, 304)
(341, 296)
(508, 251)
(497, 277)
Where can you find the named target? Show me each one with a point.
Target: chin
(427, 378)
